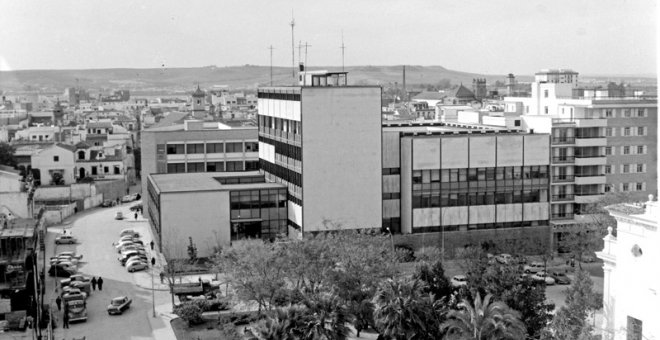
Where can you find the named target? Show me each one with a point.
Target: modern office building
(601, 142)
(198, 146)
(452, 185)
(214, 209)
(322, 140)
(630, 288)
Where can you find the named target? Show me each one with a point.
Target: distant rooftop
(447, 128)
(208, 181)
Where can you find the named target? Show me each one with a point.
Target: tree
(189, 312)
(571, 319)
(172, 248)
(434, 279)
(7, 155)
(327, 319)
(401, 309)
(484, 319)
(192, 251)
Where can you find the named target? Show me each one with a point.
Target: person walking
(162, 277)
(93, 283)
(152, 245)
(135, 215)
(100, 283)
(58, 302)
(65, 319)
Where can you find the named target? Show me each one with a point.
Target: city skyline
(489, 38)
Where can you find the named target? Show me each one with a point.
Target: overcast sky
(486, 36)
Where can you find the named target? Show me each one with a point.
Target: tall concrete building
(322, 139)
(601, 142)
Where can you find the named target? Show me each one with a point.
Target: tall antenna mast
(343, 48)
(271, 48)
(300, 46)
(306, 45)
(293, 49)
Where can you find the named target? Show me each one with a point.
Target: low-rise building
(54, 159)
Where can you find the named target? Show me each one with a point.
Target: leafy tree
(327, 319)
(484, 319)
(192, 251)
(363, 314)
(571, 319)
(433, 276)
(189, 312)
(256, 269)
(402, 309)
(7, 155)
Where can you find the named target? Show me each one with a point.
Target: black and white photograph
(329, 170)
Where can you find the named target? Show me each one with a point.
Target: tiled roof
(428, 95)
(463, 92)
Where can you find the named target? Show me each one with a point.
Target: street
(96, 230)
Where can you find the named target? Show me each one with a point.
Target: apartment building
(322, 140)
(601, 142)
(198, 146)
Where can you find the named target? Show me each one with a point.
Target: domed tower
(198, 103)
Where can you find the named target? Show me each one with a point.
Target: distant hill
(246, 77)
(239, 77)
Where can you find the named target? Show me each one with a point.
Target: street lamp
(391, 238)
(153, 294)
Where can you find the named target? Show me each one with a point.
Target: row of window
(280, 124)
(229, 166)
(279, 171)
(391, 171)
(635, 186)
(627, 150)
(625, 113)
(434, 200)
(280, 96)
(480, 226)
(627, 168)
(479, 174)
(199, 148)
(285, 149)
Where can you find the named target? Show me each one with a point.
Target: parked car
(133, 255)
(118, 305)
(560, 278)
(459, 280)
(138, 251)
(131, 232)
(519, 259)
(121, 243)
(533, 267)
(542, 276)
(71, 254)
(128, 238)
(65, 239)
(129, 247)
(504, 258)
(69, 293)
(68, 260)
(119, 215)
(74, 278)
(58, 270)
(136, 207)
(129, 198)
(109, 203)
(134, 265)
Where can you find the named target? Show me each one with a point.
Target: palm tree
(401, 309)
(283, 324)
(328, 319)
(484, 320)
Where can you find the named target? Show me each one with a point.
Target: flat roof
(206, 181)
(445, 127)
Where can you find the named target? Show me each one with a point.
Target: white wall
(44, 161)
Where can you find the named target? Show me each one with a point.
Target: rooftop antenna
(343, 48)
(271, 48)
(306, 67)
(293, 49)
(300, 46)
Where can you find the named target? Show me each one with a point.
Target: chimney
(405, 93)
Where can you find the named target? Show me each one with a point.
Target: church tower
(198, 104)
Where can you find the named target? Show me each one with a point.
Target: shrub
(286, 297)
(404, 253)
(428, 254)
(189, 312)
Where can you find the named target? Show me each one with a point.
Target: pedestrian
(100, 283)
(152, 245)
(93, 283)
(65, 319)
(135, 215)
(58, 302)
(162, 277)
(63, 231)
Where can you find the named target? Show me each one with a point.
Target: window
(545, 109)
(196, 167)
(116, 170)
(173, 168)
(516, 122)
(608, 188)
(215, 148)
(626, 131)
(609, 113)
(608, 150)
(626, 150)
(640, 150)
(640, 168)
(608, 169)
(81, 155)
(175, 149)
(545, 94)
(641, 113)
(626, 113)
(106, 169)
(641, 131)
(625, 169)
(195, 148)
(634, 329)
(609, 132)
(94, 170)
(234, 147)
(56, 158)
(251, 165)
(235, 166)
(251, 146)
(624, 187)
(215, 166)
(639, 186)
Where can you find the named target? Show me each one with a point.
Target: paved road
(96, 230)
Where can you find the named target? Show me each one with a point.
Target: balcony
(563, 140)
(563, 159)
(561, 216)
(584, 179)
(563, 179)
(587, 198)
(591, 141)
(564, 197)
(585, 160)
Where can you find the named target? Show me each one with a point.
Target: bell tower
(198, 103)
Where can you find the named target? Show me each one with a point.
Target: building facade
(323, 142)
